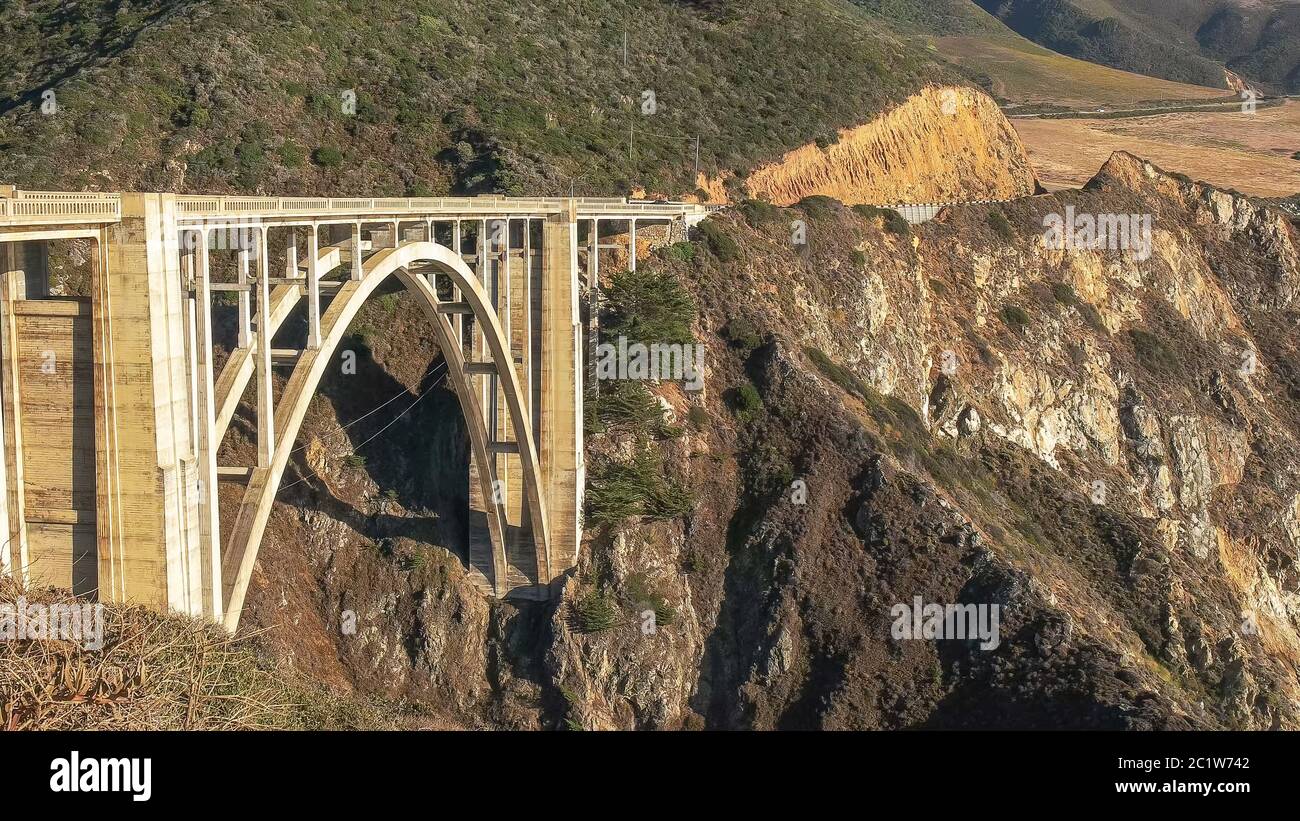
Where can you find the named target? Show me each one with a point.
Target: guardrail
(916, 213)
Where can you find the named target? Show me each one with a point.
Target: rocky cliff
(943, 144)
(1100, 441)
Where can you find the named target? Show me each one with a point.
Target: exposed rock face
(1132, 388)
(943, 144)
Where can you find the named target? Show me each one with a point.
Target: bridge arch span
(240, 551)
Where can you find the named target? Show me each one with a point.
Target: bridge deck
(27, 208)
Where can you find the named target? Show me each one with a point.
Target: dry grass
(1249, 152)
(156, 672)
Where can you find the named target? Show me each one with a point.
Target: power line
(387, 402)
(405, 411)
(665, 136)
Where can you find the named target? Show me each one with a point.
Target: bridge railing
(47, 207)
(36, 207)
(198, 206)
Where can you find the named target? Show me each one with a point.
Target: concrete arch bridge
(114, 410)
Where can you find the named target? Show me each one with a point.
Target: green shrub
(1066, 295)
(192, 114)
(838, 374)
(1015, 318)
(626, 403)
(664, 613)
(595, 612)
(698, 416)
(680, 251)
(748, 404)
(416, 559)
(648, 306)
(327, 157)
(642, 595)
(817, 206)
(894, 222)
(759, 213)
(354, 460)
(859, 258)
(1001, 225)
(1152, 352)
(291, 155)
(719, 243)
(741, 333)
(636, 488)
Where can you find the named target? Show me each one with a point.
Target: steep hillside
(533, 97)
(936, 17)
(1108, 455)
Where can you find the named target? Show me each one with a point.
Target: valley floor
(1254, 153)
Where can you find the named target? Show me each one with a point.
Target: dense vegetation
(931, 17)
(450, 95)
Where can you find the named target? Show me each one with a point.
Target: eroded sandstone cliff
(943, 144)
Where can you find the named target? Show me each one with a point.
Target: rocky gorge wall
(1099, 463)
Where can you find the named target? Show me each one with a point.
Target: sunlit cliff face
(945, 144)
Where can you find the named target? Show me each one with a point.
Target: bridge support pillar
(560, 395)
(147, 471)
(631, 244)
(313, 287)
(14, 278)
